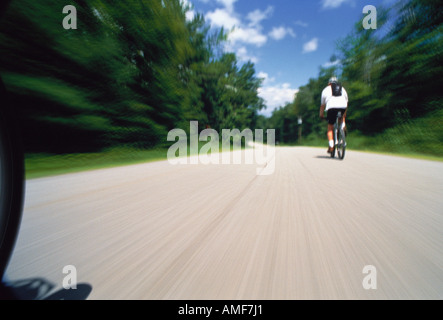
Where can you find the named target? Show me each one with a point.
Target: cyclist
(334, 98)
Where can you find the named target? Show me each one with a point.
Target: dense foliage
(129, 73)
(392, 76)
(133, 70)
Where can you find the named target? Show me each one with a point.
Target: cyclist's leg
(343, 121)
(332, 115)
(330, 133)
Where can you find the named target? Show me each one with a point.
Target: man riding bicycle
(334, 99)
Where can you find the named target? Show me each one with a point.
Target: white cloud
(228, 4)
(185, 3)
(222, 18)
(301, 23)
(243, 55)
(333, 4)
(276, 96)
(266, 79)
(257, 16)
(281, 32)
(331, 64)
(240, 33)
(248, 36)
(190, 15)
(310, 46)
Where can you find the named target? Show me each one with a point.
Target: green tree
(132, 71)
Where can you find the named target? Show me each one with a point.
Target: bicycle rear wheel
(335, 139)
(341, 146)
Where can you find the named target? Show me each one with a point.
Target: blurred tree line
(392, 76)
(130, 72)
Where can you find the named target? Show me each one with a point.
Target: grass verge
(419, 139)
(42, 165)
(388, 143)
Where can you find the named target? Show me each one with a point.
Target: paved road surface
(157, 231)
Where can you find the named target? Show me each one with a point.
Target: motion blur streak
(156, 231)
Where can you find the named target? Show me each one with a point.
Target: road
(158, 231)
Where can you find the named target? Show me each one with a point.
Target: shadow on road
(325, 157)
(39, 288)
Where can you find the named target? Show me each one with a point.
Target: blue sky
(288, 40)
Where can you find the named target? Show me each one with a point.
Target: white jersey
(332, 102)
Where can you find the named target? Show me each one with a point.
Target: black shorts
(332, 114)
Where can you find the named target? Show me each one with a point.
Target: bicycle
(339, 138)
